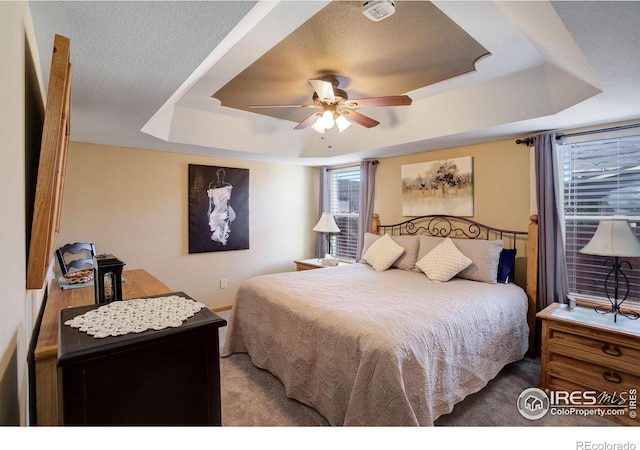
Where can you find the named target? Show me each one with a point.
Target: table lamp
(326, 225)
(614, 239)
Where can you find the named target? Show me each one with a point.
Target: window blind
(345, 206)
(601, 180)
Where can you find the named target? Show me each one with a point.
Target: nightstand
(586, 351)
(314, 263)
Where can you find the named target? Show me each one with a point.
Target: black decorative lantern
(107, 278)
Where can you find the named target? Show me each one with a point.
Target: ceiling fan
(336, 108)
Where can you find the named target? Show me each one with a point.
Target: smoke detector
(377, 10)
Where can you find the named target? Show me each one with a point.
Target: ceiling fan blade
(307, 122)
(324, 89)
(395, 100)
(361, 119)
(283, 106)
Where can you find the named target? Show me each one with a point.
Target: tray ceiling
(370, 59)
(145, 72)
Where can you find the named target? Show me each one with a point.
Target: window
(601, 179)
(344, 201)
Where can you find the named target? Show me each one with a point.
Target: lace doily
(135, 316)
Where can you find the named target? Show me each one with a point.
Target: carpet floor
(254, 397)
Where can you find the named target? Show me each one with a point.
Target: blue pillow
(506, 265)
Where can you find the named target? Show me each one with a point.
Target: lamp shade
(326, 224)
(613, 237)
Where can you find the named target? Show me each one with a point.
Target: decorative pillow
(383, 253)
(484, 256)
(506, 265)
(427, 243)
(407, 260)
(443, 262)
(369, 239)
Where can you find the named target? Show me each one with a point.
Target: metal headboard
(447, 226)
(460, 227)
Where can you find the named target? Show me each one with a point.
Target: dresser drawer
(592, 376)
(594, 346)
(581, 352)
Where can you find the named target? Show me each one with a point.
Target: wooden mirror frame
(51, 166)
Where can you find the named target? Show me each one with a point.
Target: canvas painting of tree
(438, 187)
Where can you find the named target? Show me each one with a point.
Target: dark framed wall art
(218, 208)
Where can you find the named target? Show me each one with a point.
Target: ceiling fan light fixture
(336, 108)
(343, 123)
(318, 125)
(327, 120)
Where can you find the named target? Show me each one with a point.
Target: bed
(369, 345)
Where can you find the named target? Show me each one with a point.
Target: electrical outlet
(223, 283)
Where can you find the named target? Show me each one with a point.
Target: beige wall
(501, 174)
(501, 183)
(133, 204)
(18, 307)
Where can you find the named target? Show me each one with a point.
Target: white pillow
(383, 253)
(443, 262)
(410, 243)
(427, 243)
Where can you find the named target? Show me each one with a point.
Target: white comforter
(378, 348)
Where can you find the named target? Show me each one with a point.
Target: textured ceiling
(145, 73)
(129, 57)
(370, 59)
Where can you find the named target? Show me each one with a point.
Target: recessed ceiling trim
(466, 110)
(370, 59)
(264, 26)
(130, 57)
(550, 37)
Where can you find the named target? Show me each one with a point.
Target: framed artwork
(438, 187)
(218, 208)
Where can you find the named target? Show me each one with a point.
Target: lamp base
(615, 309)
(616, 302)
(327, 240)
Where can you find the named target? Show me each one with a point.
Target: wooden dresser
(167, 376)
(586, 351)
(139, 283)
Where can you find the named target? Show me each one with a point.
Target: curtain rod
(602, 130)
(348, 165)
(529, 141)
